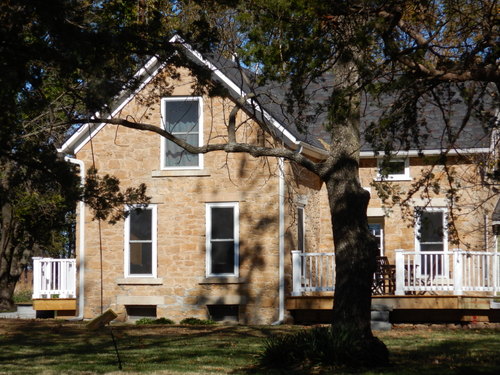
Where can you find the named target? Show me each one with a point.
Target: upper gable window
(394, 169)
(183, 118)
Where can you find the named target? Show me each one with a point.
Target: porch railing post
(457, 272)
(400, 273)
(495, 272)
(37, 277)
(296, 273)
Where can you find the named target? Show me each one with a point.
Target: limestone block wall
(181, 288)
(470, 212)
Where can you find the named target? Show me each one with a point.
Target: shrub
(196, 321)
(164, 321)
(313, 346)
(154, 321)
(22, 296)
(145, 321)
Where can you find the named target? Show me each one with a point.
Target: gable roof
(268, 108)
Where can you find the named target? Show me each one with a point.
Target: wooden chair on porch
(384, 278)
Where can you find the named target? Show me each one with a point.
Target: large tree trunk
(12, 258)
(355, 259)
(355, 247)
(7, 286)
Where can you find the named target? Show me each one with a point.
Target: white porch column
(400, 273)
(457, 272)
(37, 277)
(495, 272)
(296, 272)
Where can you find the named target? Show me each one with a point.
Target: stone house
(233, 237)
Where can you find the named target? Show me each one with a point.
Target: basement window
(224, 313)
(136, 312)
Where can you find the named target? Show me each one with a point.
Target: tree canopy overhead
(68, 59)
(402, 55)
(60, 59)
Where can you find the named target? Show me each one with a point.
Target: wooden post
(101, 320)
(400, 273)
(495, 272)
(296, 273)
(37, 277)
(457, 272)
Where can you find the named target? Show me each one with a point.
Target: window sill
(393, 179)
(181, 173)
(222, 280)
(140, 281)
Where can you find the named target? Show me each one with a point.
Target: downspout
(81, 243)
(281, 244)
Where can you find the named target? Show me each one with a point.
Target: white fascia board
(89, 130)
(415, 153)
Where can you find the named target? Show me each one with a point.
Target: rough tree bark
(11, 262)
(355, 254)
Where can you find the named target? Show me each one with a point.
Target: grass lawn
(57, 347)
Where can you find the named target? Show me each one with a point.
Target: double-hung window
(140, 243)
(183, 118)
(222, 239)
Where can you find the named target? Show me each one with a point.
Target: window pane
(431, 227)
(176, 156)
(140, 225)
(223, 257)
(222, 223)
(181, 116)
(431, 247)
(376, 230)
(392, 167)
(141, 258)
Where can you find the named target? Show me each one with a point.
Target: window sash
(222, 254)
(140, 258)
(377, 230)
(393, 175)
(173, 156)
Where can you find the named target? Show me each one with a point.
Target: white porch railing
(54, 278)
(312, 272)
(454, 272)
(457, 271)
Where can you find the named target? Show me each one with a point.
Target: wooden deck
(408, 308)
(61, 307)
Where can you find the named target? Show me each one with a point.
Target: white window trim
(236, 223)
(418, 250)
(301, 207)
(395, 177)
(200, 132)
(126, 257)
(379, 221)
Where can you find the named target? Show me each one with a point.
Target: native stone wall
(181, 288)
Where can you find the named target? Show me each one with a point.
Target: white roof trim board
(88, 131)
(414, 153)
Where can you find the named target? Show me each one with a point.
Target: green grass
(56, 347)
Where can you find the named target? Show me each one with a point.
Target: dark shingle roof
(434, 135)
